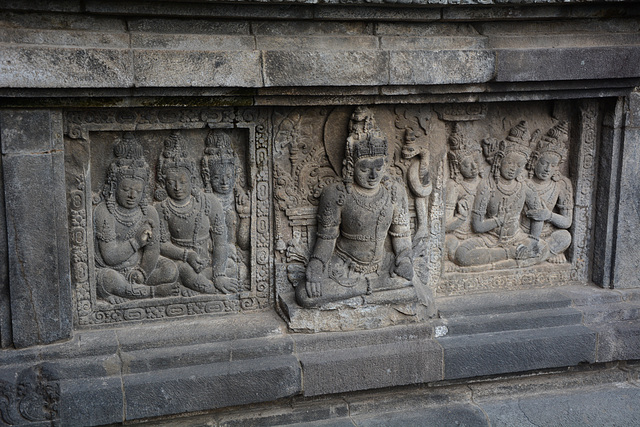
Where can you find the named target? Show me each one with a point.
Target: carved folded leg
(451, 244)
(331, 292)
(165, 272)
(113, 287)
(475, 252)
(559, 241)
(199, 282)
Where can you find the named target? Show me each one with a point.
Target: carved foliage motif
(190, 251)
(33, 399)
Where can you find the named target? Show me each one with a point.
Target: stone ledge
(164, 368)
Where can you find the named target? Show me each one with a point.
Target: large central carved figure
(354, 219)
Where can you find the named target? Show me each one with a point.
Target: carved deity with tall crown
(354, 219)
(466, 168)
(127, 232)
(498, 205)
(219, 173)
(192, 226)
(554, 189)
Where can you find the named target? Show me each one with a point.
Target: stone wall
(217, 204)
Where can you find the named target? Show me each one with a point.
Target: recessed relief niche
(381, 209)
(163, 208)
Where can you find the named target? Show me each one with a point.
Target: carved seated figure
(192, 228)
(127, 256)
(499, 202)
(465, 167)
(353, 221)
(555, 191)
(219, 175)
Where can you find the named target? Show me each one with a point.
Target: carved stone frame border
(77, 128)
(586, 137)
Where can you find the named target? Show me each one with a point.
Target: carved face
(178, 183)
(512, 165)
(223, 178)
(129, 192)
(369, 171)
(469, 167)
(547, 166)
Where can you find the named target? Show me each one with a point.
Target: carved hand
(243, 204)
(539, 214)
(136, 276)
(404, 268)
(144, 234)
(226, 285)
(195, 262)
(463, 208)
(315, 275)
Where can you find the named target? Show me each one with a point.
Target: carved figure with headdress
(354, 219)
(554, 189)
(127, 256)
(192, 227)
(219, 173)
(466, 168)
(499, 202)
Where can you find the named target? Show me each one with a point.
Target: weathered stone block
(37, 231)
(618, 341)
(497, 353)
(197, 388)
(627, 257)
(197, 68)
(94, 401)
(568, 63)
(441, 67)
(43, 67)
(321, 68)
(374, 366)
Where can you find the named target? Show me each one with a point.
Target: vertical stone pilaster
(36, 219)
(627, 238)
(606, 206)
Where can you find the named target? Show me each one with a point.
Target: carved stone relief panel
(163, 205)
(379, 208)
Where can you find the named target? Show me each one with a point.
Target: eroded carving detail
(193, 230)
(131, 292)
(354, 218)
(127, 231)
(33, 399)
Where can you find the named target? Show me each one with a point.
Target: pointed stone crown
(518, 140)
(218, 147)
(555, 141)
(174, 156)
(129, 162)
(459, 145)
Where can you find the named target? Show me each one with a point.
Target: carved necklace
(469, 188)
(370, 203)
(185, 211)
(128, 218)
(544, 192)
(507, 191)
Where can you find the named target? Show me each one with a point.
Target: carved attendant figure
(499, 202)
(354, 219)
(219, 175)
(192, 229)
(465, 167)
(128, 261)
(554, 190)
